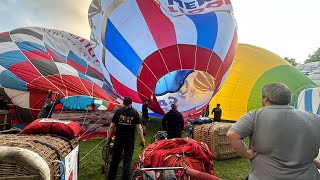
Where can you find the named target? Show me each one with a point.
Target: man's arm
(236, 143)
(111, 131)
(140, 133)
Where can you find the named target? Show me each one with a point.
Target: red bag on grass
(64, 128)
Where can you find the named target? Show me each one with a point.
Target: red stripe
(187, 54)
(226, 64)
(111, 107)
(4, 34)
(52, 53)
(125, 91)
(25, 71)
(37, 55)
(162, 29)
(77, 66)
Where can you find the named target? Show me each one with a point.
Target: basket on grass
(35, 156)
(215, 136)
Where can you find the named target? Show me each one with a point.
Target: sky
(289, 28)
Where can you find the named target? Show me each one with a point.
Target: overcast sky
(286, 27)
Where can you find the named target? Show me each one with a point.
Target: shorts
(145, 121)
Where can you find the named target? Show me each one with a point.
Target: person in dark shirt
(145, 116)
(124, 122)
(48, 107)
(217, 112)
(173, 122)
(3, 103)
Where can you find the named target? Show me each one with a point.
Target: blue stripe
(30, 46)
(57, 53)
(84, 76)
(207, 29)
(9, 80)
(10, 58)
(121, 50)
(308, 100)
(72, 56)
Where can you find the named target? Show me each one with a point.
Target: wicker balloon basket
(214, 135)
(38, 157)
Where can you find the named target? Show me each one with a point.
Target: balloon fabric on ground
(144, 46)
(253, 68)
(34, 60)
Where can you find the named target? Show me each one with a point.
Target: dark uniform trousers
(121, 144)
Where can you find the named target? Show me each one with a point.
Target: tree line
(312, 58)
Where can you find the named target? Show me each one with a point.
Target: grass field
(234, 169)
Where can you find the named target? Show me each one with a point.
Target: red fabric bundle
(166, 153)
(68, 129)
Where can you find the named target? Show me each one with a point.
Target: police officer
(125, 120)
(173, 122)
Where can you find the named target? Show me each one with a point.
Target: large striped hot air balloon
(35, 60)
(169, 51)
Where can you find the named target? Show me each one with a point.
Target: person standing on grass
(173, 122)
(217, 112)
(283, 141)
(145, 116)
(124, 122)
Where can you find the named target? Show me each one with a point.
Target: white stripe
(120, 72)
(66, 69)
(315, 99)
(2, 69)
(19, 98)
(59, 45)
(134, 29)
(8, 46)
(186, 31)
(96, 81)
(226, 29)
(26, 38)
(301, 101)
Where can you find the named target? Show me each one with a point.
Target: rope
(91, 150)
(90, 127)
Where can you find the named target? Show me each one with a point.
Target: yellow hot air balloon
(253, 68)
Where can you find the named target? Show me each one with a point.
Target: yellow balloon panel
(253, 67)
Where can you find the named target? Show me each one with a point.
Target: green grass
(89, 168)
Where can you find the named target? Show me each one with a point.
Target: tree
(291, 61)
(314, 57)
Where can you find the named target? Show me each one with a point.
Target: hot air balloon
(35, 60)
(167, 51)
(253, 68)
(309, 100)
(311, 70)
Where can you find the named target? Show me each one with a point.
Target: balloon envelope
(170, 52)
(253, 68)
(34, 60)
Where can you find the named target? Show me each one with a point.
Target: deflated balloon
(35, 60)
